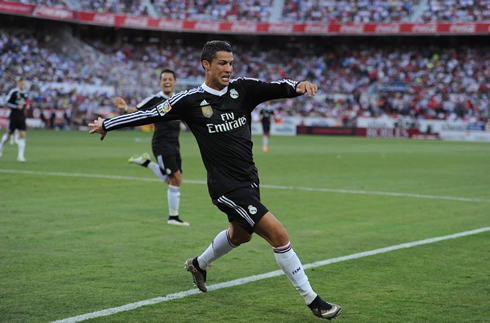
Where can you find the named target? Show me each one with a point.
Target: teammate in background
(219, 115)
(18, 101)
(266, 114)
(165, 146)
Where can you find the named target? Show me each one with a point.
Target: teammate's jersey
(166, 135)
(220, 121)
(15, 98)
(266, 114)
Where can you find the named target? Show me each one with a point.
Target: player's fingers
(313, 89)
(302, 88)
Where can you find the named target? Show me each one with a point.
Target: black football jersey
(220, 122)
(15, 98)
(166, 133)
(266, 114)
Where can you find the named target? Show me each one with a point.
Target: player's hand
(97, 127)
(306, 87)
(120, 103)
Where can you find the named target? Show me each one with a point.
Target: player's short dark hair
(210, 49)
(20, 78)
(168, 71)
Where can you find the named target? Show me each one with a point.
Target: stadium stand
(344, 11)
(128, 7)
(457, 10)
(84, 67)
(422, 82)
(51, 3)
(318, 11)
(209, 10)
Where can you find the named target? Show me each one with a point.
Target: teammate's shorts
(266, 126)
(169, 163)
(16, 123)
(243, 205)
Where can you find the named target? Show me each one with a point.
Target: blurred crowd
(357, 80)
(343, 11)
(324, 11)
(130, 7)
(215, 10)
(457, 10)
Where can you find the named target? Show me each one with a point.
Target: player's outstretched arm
(98, 127)
(306, 87)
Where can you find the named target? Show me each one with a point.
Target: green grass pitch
(81, 231)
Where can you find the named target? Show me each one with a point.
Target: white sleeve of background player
(9, 96)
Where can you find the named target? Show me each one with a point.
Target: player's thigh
(17, 123)
(170, 163)
(243, 206)
(272, 230)
(266, 127)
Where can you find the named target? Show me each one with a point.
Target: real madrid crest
(206, 109)
(233, 93)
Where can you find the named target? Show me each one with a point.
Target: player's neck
(168, 94)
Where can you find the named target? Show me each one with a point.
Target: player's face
(167, 82)
(21, 85)
(218, 72)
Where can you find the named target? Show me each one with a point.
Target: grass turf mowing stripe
(271, 274)
(330, 190)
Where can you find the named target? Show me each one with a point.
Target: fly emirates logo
(229, 123)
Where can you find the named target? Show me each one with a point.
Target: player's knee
(178, 177)
(238, 237)
(280, 237)
(175, 179)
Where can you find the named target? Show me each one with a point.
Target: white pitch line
(297, 188)
(246, 280)
(333, 190)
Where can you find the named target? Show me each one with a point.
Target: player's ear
(205, 64)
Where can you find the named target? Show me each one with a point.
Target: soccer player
(18, 101)
(219, 115)
(165, 146)
(266, 114)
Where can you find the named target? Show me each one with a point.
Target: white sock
(4, 140)
(173, 195)
(158, 171)
(265, 141)
(22, 145)
(220, 246)
(291, 265)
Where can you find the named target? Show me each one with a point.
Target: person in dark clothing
(18, 102)
(165, 146)
(219, 115)
(266, 114)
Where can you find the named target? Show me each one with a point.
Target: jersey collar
(213, 91)
(161, 94)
